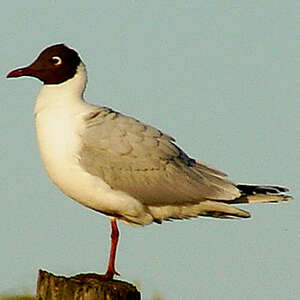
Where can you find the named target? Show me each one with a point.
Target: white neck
(63, 94)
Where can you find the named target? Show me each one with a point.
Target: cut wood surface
(83, 287)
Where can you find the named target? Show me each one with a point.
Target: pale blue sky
(220, 76)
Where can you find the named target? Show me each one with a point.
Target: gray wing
(147, 164)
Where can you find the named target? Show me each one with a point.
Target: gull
(119, 166)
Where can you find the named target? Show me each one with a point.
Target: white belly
(58, 133)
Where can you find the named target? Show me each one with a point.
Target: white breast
(58, 131)
(59, 117)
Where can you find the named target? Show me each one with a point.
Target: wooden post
(83, 287)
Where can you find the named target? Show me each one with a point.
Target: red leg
(111, 271)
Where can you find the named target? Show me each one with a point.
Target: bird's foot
(107, 276)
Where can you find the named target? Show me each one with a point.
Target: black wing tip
(252, 189)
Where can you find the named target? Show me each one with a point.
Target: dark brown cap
(54, 65)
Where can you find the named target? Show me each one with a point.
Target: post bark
(83, 287)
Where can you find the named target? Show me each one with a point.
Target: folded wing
(147, 164)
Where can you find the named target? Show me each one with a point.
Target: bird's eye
(56, 60)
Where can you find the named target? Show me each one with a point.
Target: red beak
(25, 71)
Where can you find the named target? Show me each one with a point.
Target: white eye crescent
(56, 60)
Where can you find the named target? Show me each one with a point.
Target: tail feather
(221, 209)
(207, 208)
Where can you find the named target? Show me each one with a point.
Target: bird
(119, 166)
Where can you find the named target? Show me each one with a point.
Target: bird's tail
(223, 209)
(262, 193)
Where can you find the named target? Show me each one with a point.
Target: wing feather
(147, 164)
